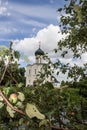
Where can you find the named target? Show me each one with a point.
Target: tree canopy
(73, 21)
(44, 107)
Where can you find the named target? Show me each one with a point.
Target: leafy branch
(10, 105)
(2, 78)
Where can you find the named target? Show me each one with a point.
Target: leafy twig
(10, 105)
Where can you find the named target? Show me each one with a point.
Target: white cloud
(3, 8)
(34, 30)
(49, 38)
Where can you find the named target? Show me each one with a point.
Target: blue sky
(24, 18)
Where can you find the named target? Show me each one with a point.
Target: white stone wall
(31, 73)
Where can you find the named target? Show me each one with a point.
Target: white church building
(32, 70)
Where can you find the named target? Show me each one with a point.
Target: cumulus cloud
(49, 38)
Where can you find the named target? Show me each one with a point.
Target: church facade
(33, 70)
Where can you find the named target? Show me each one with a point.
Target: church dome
(39, 52)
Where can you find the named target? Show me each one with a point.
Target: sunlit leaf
(32, 111)
(43, 122)
(6, 90)
(10, 111)
(77, 8)
(3, 47)
(20, 85)
(21, 96)
(19, 104)
(1, 99)
(21, 121)
(1, 104)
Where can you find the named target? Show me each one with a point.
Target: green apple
(13, 98)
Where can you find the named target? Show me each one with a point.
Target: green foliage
(4, 51)
(73, 24)
(13, 74)
(61, 104)
(73, 21)
(43, 106)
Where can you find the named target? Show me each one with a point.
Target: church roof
(39, 52)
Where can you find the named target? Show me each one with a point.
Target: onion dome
(39, 52)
